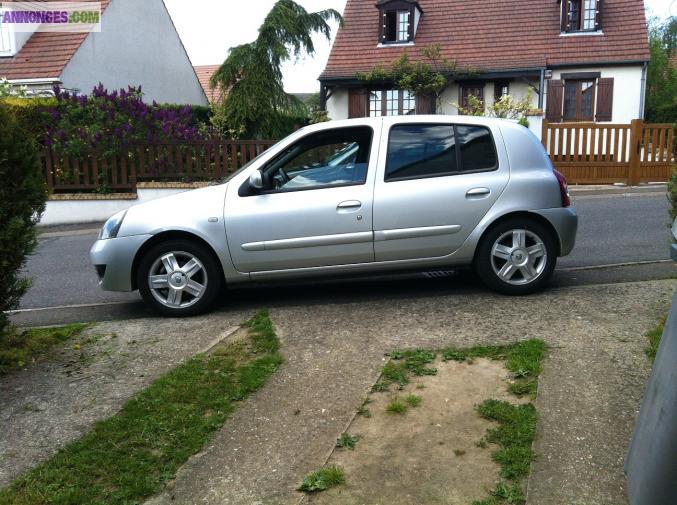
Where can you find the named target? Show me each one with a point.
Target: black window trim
(245, 191)
(458, 154)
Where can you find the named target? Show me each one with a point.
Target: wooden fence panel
(187, 162)
(604, 153)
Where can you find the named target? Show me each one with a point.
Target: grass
(346, 441)
(323, 479)
(19, 348)
(128, 457)
(396, 406)
(654, 337)
(413, 400)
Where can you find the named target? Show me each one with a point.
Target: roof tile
(492, 35)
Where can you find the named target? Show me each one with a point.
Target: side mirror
(256, 180)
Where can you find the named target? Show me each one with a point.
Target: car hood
(183, 211)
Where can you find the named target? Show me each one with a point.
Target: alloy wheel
(177, 279)
(518, 257)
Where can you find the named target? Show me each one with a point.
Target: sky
(208, 28)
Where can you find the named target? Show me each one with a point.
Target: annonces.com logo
(38, 16)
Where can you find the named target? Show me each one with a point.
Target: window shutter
(605, 98)
(357, 102)
(553, 111)
(425, 104)
(598, 15)
(564, 16)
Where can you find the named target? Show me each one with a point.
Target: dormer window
(581, 15)
(398, 21)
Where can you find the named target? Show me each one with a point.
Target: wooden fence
(186, 162)
(600, 153)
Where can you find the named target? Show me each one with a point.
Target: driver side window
(338, 157)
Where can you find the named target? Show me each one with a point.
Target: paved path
(334, 346)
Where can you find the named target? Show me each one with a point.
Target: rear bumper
(565, 222)
(113, 259)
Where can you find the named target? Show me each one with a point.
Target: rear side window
(477, 148)
(418, 151)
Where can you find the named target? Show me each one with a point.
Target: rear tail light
(563, 189)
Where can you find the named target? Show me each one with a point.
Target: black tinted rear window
(432, 150)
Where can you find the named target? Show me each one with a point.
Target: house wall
(627, 89)
(137, 45)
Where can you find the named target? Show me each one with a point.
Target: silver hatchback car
(347, 197)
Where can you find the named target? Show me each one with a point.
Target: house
(138, 45)
(204, 74)
(585, 60)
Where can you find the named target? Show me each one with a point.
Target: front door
(435, 183)
(315, 208)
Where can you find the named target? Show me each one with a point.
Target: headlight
(112, 226)
(674, 229)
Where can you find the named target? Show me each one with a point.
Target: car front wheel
(516, 257)
(179, 278)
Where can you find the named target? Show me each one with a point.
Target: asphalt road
(613, 230)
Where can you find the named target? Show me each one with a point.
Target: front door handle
(477, 193)
(349, 205)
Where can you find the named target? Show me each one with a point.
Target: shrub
(22, 200)
(112, 121)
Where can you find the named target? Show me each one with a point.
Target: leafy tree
(22, 200)
(661, 85)
(252, 77)
(427, 77)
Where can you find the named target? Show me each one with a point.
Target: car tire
(179, 278)
(516, 256)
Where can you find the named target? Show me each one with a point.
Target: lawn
(128, 457)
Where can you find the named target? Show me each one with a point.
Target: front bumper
(113, 259)
(565, 222)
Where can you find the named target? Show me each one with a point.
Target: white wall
(59, 212)
(337, 104)
(137, 45)
(627, 89)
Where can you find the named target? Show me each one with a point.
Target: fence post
(544, 134)
(636, 130)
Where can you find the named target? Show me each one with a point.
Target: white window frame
(403, 21)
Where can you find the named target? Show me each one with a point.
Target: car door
(436, 181)
(315, 208)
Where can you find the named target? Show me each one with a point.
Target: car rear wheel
(179, 278)
(516, 257)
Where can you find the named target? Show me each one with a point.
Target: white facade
(137, 45)
(627, 94)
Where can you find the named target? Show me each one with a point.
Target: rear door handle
(477, 193)
(349, 205)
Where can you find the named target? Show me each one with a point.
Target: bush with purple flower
(109, 123)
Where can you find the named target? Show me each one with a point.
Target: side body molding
(320, 240)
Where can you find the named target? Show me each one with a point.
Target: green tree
(661, 82)
(252, 76)
(22, 200)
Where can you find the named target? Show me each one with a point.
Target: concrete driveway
(590, 389)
